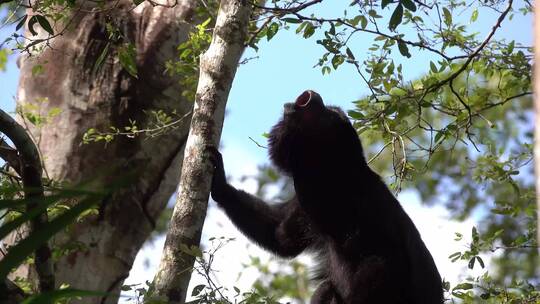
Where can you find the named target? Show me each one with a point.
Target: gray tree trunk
(109, 96)
(217, 69)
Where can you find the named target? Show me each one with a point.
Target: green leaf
(137, 2)
(3, 59)
(395, 91)
(522, 239)
(480, 261)
(447, 16)
(18, 253)
(354, 21)
(326, 70)
(45, 24)
(363, 22)
(355, 115)
(126, 55)
(301, 27)
(510, 47)
(350, 53)
(403, 49)
(101, 59)
(309, 30)
(471, 263)
(272, 30)
(439, 136)
(409, 4)
(433, 67)
(384, 3)
(21, 22)
(292, 20)
(197, 290)
(9, 226)
(33, 20)
(373, 13)
(54, 296)
(396, 18)
(474, 15)
(463, 286)
(475, 235)
(197, 252)
(332, 30)
(337, 60)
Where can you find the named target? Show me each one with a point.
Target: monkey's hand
(221, 191)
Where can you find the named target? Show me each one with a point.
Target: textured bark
(217, 69)
(11, 293)
(109, 96)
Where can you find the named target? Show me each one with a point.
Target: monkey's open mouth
(303, 100)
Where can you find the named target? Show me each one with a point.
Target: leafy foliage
(190, 51)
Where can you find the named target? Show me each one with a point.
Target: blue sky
(284, 69)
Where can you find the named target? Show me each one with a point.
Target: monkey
(367, 249)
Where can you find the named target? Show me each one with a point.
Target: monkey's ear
(340, 112)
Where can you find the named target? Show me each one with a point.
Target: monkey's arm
(278, 228)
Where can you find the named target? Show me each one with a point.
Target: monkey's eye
(303, 99)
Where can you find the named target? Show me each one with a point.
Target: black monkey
(369, 250)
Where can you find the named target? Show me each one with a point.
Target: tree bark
(217, 69)
(99, 98)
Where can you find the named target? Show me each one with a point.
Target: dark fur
(369, 249)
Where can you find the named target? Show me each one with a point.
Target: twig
(378, 153)
(475, 52)
(469, 115)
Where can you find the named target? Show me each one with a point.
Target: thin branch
(10, 156)
(256, 33)
(469, 115)
(289, 10)
(379, 33)
(379, 153)
(475, 53)
(492, 105)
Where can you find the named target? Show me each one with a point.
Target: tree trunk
(217, 69)
(99, 98)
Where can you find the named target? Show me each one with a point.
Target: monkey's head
(311, 134)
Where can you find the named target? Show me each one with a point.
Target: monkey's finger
(211, 149)
(214, 156)
(215, 161)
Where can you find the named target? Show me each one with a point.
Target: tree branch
(31, 172)
(10, 156)
(475, 53)
(217, 69)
